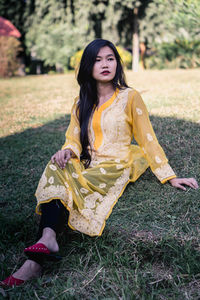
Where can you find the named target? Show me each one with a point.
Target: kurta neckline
(96, 120)
(108, 102)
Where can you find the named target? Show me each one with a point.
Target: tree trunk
(135, 45)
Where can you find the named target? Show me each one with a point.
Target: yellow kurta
(90, 194)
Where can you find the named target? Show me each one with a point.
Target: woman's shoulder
(129, 91)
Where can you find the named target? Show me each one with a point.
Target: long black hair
(88, 97)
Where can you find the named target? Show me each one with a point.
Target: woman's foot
(49, 239)
(29, 270)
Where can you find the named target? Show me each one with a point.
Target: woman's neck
(104, 90)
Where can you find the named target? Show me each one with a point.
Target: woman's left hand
(180, 182)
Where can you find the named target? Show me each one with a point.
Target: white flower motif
(144, 150)
(76, 130)
(117, 160)
(53, 167)
(87, 213)
(76, 192)
(70, 162)
(51, 180)
(139, 111)
(66, 184)
(90, 200)
(84, 172)
(119, 167)
(84, 191)
(103, 171)
(102, 185)
(149, 137)
(75, 175)
(157, 159)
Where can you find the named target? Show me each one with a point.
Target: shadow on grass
(24, 155)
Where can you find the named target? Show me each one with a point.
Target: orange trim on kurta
(166, 179)
(96, 120)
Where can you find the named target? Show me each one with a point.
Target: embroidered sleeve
(72, 135)
(144, 135)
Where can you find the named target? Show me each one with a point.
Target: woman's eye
(110, 58)
(97, 59)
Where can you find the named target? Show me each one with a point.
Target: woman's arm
(72, 147)
(153, 152)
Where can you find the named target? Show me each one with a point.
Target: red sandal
(39, 252)
(11, 281)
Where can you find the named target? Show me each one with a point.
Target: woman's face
(104, 68)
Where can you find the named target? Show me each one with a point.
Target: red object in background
(8, 29)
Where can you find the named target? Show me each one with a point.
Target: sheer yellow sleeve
(145, 137)
(72, 135)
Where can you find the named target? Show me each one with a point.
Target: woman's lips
(105, 72)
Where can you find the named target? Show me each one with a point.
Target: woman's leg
(53, 216)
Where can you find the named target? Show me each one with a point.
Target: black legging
(54, 215)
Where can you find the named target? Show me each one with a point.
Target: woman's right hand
(61, 157)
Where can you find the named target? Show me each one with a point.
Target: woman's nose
(104, 63)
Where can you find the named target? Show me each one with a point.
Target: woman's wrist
(71, 153)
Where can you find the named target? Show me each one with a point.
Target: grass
(150, 248)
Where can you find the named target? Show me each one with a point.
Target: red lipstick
(105, 72)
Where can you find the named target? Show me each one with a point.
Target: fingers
(194, 183)
(191, 182)
(53, 158)
(181, 182)
(61, 158)
(179, 186)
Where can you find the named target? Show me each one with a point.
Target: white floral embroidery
(53, 167)
(84, 172)
(139, 111)
(51, 180)
(157, 159)
(70, 162)
(76, 130)
(90, 200)
(102, 185)
(117, 160)
(87, 213)
(119, 167)
(144, 150)
(66, 184)
(103, 171)
(75, 175)
(149, 137)
(164, 172)
(84, 191)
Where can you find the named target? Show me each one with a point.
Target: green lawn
(150, 248)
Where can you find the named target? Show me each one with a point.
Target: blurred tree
(57, 29)
(122, 19)
(172, 29)
(166, 21)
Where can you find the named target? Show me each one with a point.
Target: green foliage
(9, 49)
(53, 30)
(171, 29)
(125, 56)
(180, 54)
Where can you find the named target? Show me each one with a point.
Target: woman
(97, 160)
